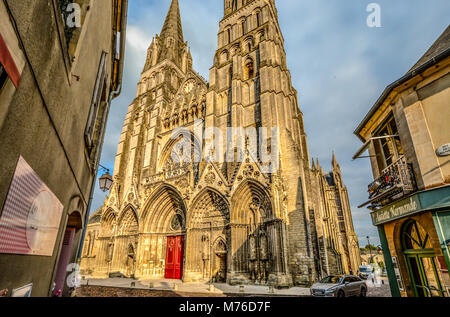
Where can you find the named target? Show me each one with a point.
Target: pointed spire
(313, 167)
(172, 26)
(334, 160)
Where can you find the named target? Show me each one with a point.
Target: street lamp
(370, 248)
(106, 180)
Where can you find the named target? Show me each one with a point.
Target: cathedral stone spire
(169, 45)
(334, 161)
(172, 27)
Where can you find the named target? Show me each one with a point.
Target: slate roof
(441, 44)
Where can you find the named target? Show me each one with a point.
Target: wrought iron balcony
(395, 182)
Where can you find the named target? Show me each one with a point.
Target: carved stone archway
(127, 234)
(208, 221)
(163, 217)
(257, 236)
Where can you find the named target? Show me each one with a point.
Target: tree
(371, 247)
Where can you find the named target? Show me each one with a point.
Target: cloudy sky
(339, 66)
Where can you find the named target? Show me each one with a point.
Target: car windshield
(334, 279)
(365, 269)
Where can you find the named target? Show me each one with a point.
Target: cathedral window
(259, 18)
(249, 69)
(228, 32)
(244, 26)
(177, 222)
(249, 43)
(224, 57)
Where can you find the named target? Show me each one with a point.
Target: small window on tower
(228, 36)
(249, 71)
(244, 26)
(258, 18)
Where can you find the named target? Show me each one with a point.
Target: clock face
(39, 222)
(189, 86)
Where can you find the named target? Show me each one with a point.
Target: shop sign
(395, 211)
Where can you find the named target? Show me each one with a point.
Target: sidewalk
(179, 286)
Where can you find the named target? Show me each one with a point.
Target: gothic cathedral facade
(212, 220)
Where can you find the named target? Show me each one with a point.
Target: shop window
(415, 237)
(96, 120)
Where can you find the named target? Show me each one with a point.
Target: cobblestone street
(117, 287)
(382, 290)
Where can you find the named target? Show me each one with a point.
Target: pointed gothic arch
(208, 198)
(251, 194)
(257, 233)
(158, 212)
(128, 222)
(208, 223)
(108, 222)
(175, 148)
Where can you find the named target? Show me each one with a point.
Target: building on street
(61, 65)
(407, 135)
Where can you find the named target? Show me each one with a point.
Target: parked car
(339, 286)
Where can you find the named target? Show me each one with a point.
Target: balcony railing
(395, 181)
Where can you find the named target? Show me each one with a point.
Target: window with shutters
(98, 112)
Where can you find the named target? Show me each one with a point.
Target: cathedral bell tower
(233, 222)
(251, 86)
(167, 92)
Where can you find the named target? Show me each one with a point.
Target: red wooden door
(174, 258)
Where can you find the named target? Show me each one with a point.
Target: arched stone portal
(257, 237)
(208, 238)
(125, 243)
(163, 231)
(106, 243)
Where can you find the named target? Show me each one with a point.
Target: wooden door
(174, 258)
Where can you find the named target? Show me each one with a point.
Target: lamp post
(370, 249)
(105, 180)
